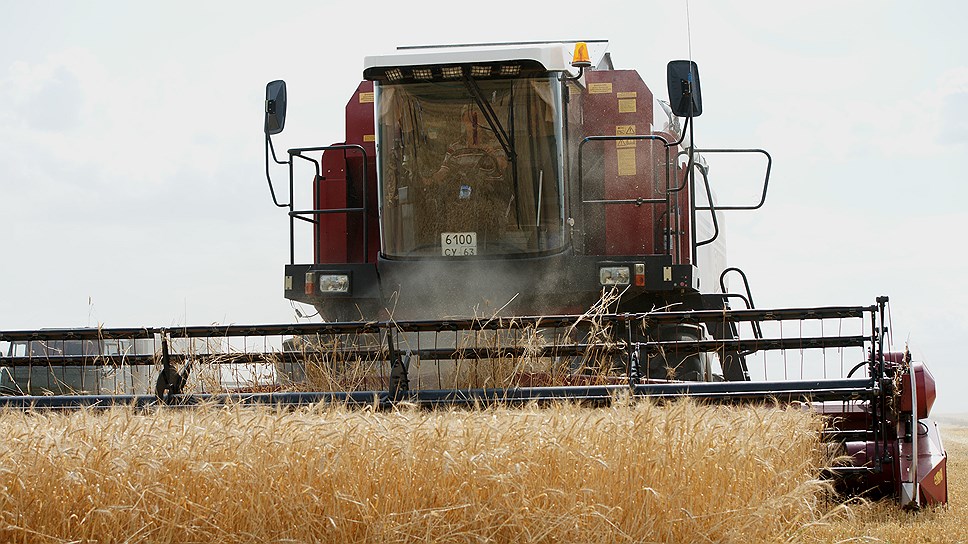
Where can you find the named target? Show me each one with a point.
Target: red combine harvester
(524, 204)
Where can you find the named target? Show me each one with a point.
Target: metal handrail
(757, 331)
(713, 207)
(637, 201)
(766, 178)
(297, 152)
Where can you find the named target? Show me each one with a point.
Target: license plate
(455, 244)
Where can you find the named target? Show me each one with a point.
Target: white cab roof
(554, 56)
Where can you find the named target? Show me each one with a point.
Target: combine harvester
(517, 222)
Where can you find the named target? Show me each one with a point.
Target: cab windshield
(470, 168)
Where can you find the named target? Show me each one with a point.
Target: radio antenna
(688, 31)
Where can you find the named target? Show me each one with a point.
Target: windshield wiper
(491, 117)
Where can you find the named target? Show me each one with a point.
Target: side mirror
(275, 107)
(684, 95)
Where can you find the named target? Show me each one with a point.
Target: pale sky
(131, 166)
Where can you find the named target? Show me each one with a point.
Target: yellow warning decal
(939, 476)
(626, 162)
(366, 98)
(369, 138)
(625, 130)
(626, 105)
(600, 88)
(632, 94)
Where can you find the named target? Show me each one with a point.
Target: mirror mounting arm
(270, 149)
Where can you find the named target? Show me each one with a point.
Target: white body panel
(710, 258)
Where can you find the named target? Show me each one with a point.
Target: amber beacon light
(580, 58)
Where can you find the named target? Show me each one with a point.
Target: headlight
(614, 275)
(334, 283)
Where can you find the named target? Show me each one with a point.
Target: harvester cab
(515, 177)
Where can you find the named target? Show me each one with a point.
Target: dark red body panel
(927, 390)
(330, 192)
(616, 103)
(339, 236)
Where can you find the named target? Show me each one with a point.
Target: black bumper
(434, 288)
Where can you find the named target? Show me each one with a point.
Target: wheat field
(641, 472)
(631, 473)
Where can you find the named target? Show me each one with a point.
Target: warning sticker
(600, 88)
(626, 105)
(369, 138)
(366, 98)
(626, 95)
(626, 162)
(625, 130)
